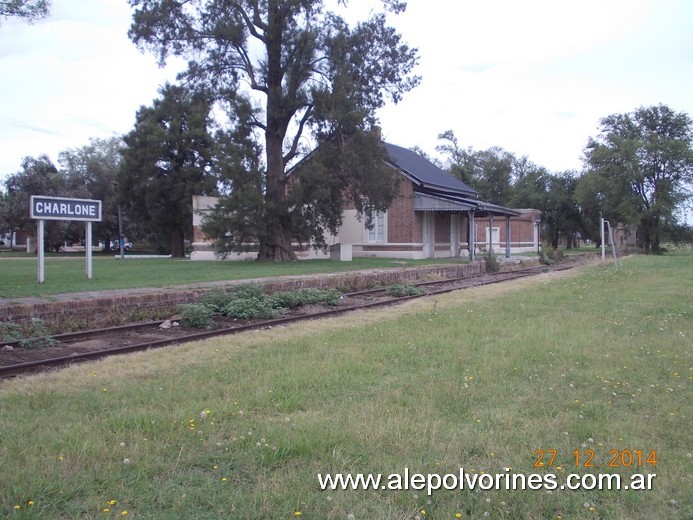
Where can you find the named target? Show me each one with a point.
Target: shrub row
(252, 302)
(400, 291)
(30, 334)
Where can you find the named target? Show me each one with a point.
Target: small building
(625, 236)
(17, 239)
(435, 215)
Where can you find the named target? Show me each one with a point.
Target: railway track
(143, 336)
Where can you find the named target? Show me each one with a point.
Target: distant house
(17, 239)
(435, 215)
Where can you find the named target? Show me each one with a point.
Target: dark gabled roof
(425, 173)
(432, 183)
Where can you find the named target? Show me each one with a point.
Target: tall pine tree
(166, 160)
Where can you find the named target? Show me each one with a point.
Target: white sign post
(44, 208)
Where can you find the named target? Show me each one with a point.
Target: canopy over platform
(433, 200)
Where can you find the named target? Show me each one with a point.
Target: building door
(493, 237)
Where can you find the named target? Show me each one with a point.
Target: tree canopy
(91, 172)
(38, 176)
(29, 10)
(490, 172)
(166, 161)
(285, 70)
(640, 168)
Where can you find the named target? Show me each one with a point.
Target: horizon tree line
(271, 82)
(638, 170)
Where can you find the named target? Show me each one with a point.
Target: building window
(377, 234)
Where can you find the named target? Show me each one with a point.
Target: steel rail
(71, 337)
(33, 366)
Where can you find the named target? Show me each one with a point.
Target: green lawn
(597, 359)
(68, 273)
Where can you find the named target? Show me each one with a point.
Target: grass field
(597, 359)
(68, 273)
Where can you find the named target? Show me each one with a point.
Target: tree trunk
(655, 239)
(177, 243)
(275, 244)
(554, 239)
(644, 235)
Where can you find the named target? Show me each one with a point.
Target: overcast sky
(531, 76)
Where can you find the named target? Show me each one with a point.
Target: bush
(196, 315)
(251, 308)
(555, 254)
(248, 291)
(399, 290)
(216, 299)
(10, 331)
(30, 334)
(252, 302)
(309, 296)
(492, 263)
(286, 300)
(551, 255)
(314, 296)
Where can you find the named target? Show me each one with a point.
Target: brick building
(435, 215)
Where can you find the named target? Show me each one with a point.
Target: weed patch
(197, 315)
(399, 290)
(33, 333)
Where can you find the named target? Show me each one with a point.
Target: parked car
(127, 245)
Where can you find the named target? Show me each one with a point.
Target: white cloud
(69, 78)
(536, 76)
(533, 77)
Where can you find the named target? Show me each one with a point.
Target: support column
(490, 233)
(454, 235)
(428, 235)
(507, 237)
(472, 235)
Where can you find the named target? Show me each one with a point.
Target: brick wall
(442, 227)
(521, 227)
(401, 221)
(122, 307)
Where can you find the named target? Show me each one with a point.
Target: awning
(426, 202)
(437, 201)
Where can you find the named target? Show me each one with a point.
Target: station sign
(60, 208)
(42, 208)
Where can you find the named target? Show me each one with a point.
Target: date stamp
(587, 458)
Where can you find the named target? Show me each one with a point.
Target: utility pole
(120, 233)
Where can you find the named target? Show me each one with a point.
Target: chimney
(377, 131)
